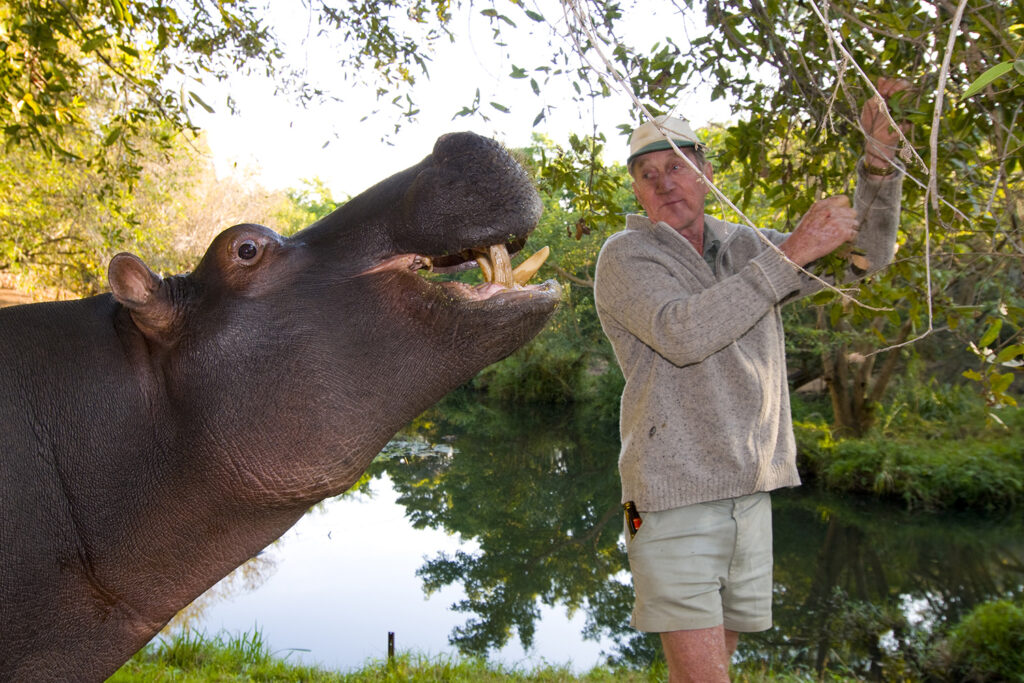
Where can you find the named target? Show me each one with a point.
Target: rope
(908, 153)
(579, 23)
(585, 26)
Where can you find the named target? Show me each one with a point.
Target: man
(691, 305)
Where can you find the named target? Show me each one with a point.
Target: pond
(511, 516)
(345, 576)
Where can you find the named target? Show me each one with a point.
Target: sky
(283, 143)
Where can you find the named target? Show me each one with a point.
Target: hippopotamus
(155, 437)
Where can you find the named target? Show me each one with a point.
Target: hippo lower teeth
(528, 268)
(496, 266)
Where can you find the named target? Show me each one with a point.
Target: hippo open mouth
(495, 265)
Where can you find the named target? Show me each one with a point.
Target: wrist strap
(879, 170)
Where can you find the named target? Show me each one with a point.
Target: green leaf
(493, 14)
(1018, 66)
(534, 15)
(1000, 383)
(987, 77)
(120, 11)
(112, 136)
(991, 333)
(835, 313)
(199, 100)
(128, 50)
(1009, 353)
(94, 43)
(500, 107)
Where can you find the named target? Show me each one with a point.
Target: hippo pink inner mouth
(495, 264)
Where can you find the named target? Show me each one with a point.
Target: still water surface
(331, 589)
(513, 514)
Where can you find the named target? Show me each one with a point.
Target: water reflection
(245, 579)
(538, 492)
(867, 584)
(340, 580)
(857, 583)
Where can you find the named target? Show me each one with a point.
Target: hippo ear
(139, 289)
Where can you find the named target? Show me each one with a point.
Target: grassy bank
(987, 645)
(942, 452)
(192, 658)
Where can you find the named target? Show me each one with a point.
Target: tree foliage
(65, 218)
(145, 55)
(959, 268)
(796, 75)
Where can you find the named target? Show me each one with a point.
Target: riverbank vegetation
(987, 645)
(958, 464)
(196, 659)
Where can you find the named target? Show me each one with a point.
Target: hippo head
(297, 358)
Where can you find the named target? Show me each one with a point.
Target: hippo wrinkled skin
(154, 438)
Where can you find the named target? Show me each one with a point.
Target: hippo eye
(247, 250)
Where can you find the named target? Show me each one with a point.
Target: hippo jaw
(495, 264)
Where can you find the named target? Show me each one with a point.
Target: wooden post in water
(391, 646)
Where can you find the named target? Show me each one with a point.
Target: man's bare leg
(699, 656)
(732, 639)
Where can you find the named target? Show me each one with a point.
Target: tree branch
(589, 282)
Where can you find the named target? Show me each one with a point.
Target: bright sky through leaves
(288, 143)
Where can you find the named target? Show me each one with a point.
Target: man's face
(670, 190)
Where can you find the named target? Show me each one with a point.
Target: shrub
(945, 467)
(987, 645)
(980, 475)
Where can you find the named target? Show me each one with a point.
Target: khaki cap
(647, 138)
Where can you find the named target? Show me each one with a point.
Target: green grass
(191, 657)
(194, 657)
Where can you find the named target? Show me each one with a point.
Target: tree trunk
(851, 387)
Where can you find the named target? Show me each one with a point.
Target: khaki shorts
(703, 565)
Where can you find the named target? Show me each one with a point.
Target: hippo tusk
(484, 261)
(528, 268)
(502, 265)
(496, 266)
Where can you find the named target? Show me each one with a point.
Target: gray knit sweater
(705, 411)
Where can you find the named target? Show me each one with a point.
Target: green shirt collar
(711, 246)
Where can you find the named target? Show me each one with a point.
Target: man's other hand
(829, 223)
(881, 139)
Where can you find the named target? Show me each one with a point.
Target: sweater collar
(715, 229)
